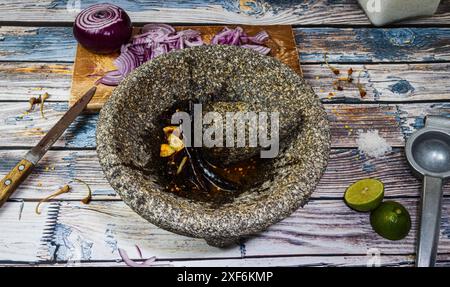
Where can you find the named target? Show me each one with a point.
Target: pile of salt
(372, 144)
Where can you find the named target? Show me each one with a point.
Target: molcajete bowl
(129, 136)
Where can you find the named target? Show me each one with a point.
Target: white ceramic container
(381, 12)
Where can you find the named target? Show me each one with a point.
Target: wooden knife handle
(13, 179)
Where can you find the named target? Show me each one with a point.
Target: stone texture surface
(129, 135)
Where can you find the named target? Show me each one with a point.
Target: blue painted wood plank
(373, 44)
(395, 123)
(363, 45)
(383, 82)
(412, 117)
(346, 120)
(55, 44)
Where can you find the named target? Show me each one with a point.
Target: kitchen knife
(21, 171)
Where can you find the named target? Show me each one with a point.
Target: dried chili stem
(42, 101)
(62, 190)
(88, 197)
(362, 91)
(32, 101)
(333, 69)
(350, 72)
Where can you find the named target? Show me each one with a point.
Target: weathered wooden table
(406, 70)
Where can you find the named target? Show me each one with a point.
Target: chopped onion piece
(124, 255)
(237, 37)
(111, 78)
(260, 49)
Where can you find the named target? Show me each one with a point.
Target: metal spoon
(428, 153)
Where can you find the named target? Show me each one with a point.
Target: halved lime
(364, 195)
(391, 220)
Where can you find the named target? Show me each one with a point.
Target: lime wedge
(364, 195)
(391, 220)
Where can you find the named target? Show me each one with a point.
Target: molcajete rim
(308, 153)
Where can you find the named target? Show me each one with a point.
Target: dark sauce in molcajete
(245, 174)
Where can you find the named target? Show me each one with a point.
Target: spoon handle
(430, 205)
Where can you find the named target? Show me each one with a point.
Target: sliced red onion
(127, 62)
(237, 37)
(191, 38)
(139, 251)
(193, 42)
(159, 39)
(149, 261)
(223, 38)
(189, 33)
(155, 40)
(111, 78)
(158, 29)
(159, 50)
(259, 38)
(124, 255)
(257, 48)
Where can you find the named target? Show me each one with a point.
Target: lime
(364, 195)
(391, 220)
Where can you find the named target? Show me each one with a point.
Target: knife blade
(21, 171)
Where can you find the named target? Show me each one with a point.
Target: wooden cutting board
(89, 67)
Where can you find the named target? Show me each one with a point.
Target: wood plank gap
(119, 200)
(47, 262)
(54, 148)
(349, 101)
(40, 61)
(346, 63)
(140, 23)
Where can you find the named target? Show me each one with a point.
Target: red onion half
(102, 28)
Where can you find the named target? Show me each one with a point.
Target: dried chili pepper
(88, 197)
(336, 71)
(62, 190)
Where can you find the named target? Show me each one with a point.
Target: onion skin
(102, 28)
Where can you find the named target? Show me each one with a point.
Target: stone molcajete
(129, 136)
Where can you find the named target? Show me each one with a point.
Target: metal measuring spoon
(428, 153)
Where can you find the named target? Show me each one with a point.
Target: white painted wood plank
(72, 232)
(60, 167)
(330, 227)
(20, 81)
(322, 227)
(291, 261)
(21, 230)
(88, 232)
